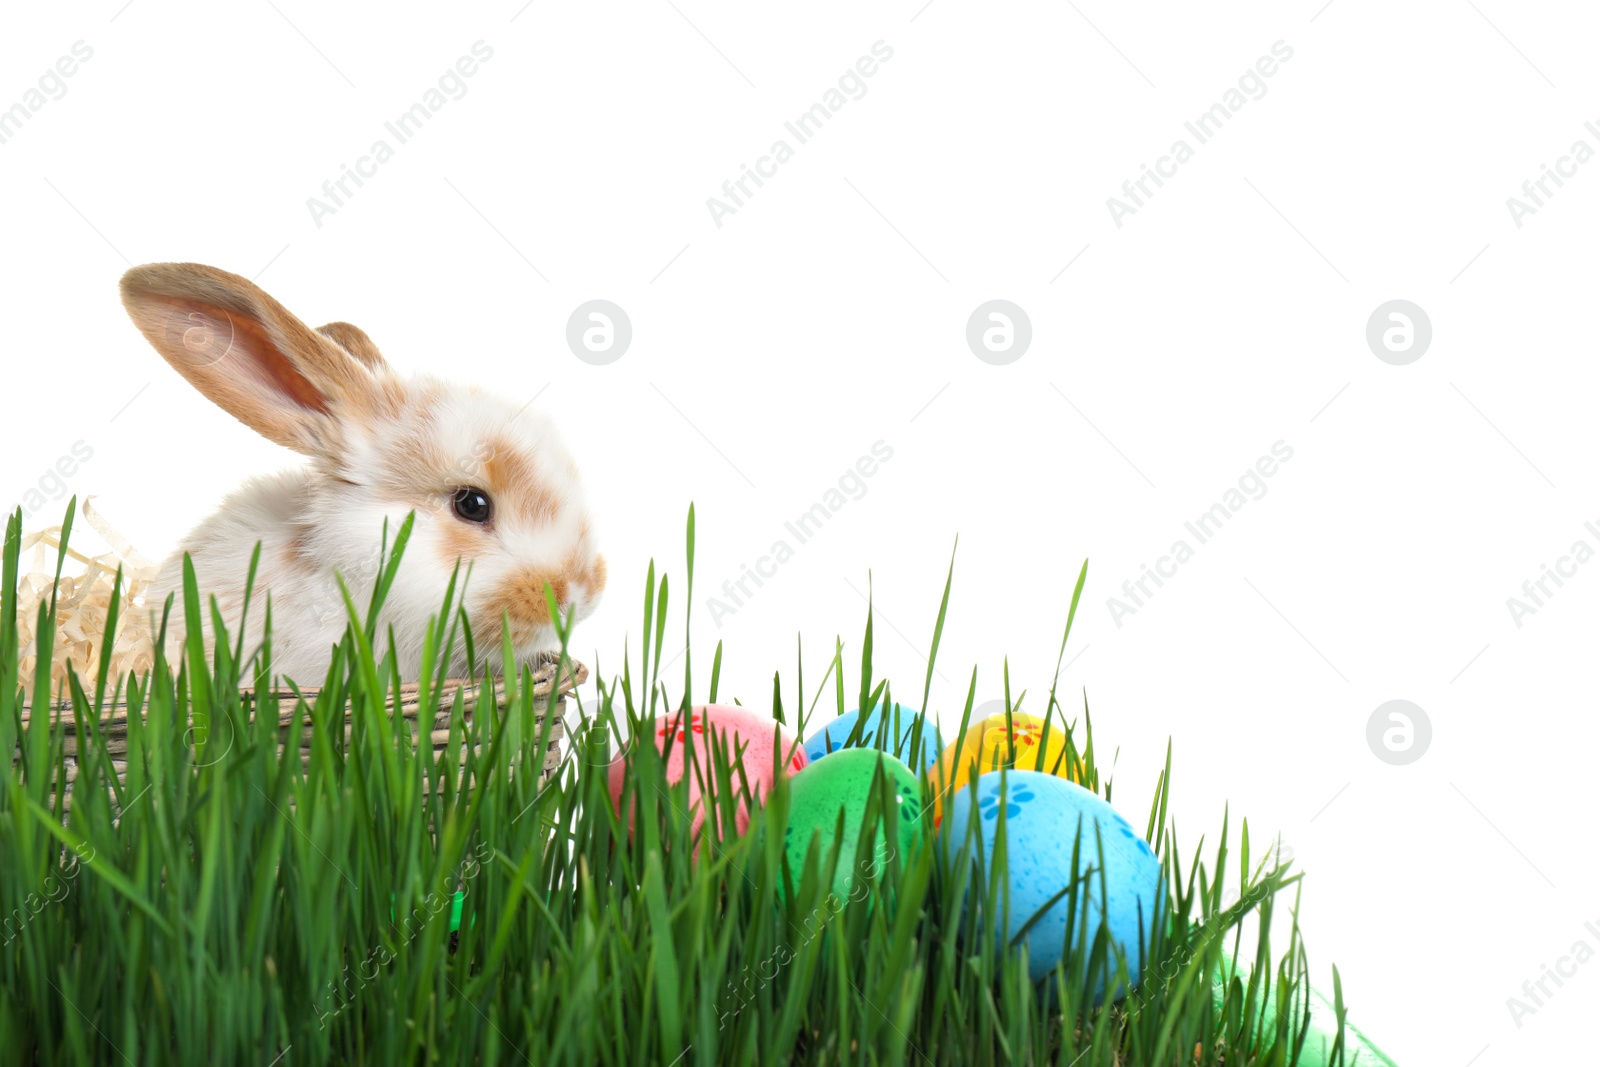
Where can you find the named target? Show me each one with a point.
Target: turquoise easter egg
(844, 783)
(912, 737)
(1042, 815)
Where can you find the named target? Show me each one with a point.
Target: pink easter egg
(737, 729)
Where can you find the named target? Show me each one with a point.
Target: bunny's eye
(472, 505)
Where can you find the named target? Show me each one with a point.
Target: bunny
(491, 484)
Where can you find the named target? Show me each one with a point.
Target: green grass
(246, 909)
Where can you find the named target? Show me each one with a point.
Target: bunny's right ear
(355, 341)
(252, 358)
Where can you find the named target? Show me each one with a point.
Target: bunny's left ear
(245, 352)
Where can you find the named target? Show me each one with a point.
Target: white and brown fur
(380, 447)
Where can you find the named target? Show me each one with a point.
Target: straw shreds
(83, 602)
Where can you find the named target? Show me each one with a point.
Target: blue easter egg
(907, 728)
(1042, 815)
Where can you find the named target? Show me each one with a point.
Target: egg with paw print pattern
(1041, 815)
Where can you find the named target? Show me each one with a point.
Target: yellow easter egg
(988, 746)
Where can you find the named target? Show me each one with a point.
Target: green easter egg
(844, 782)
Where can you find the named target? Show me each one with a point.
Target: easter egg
(761, 747)
(844, 783)
(1043, 815)
(988, 745)
(911, 736)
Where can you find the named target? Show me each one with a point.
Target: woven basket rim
(544, 681)
(435, 725)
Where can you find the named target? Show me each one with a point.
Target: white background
(829, 312)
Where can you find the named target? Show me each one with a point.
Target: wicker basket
(115, 729)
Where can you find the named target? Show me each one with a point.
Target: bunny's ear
(354, 341)
(252, 358)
